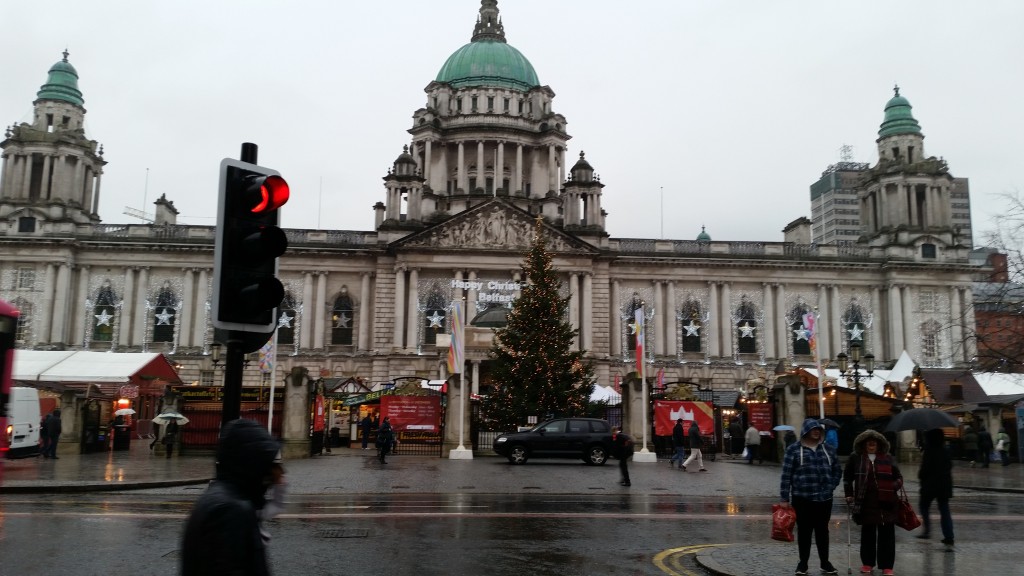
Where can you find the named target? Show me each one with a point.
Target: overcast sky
(713, 113)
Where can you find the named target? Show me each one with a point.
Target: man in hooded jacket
(222, 536)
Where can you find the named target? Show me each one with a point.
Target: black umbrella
(921, 419)
(829, 423)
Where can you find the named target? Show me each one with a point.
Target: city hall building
(488, 156)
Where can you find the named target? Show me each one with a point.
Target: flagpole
(644, 455)
(273, 381)
(459, 335)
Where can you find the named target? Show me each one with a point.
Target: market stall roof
(98, 367)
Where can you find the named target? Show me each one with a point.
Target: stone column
(615, 321)
(574, 307)
(823, 323)
(58, 326)
(320, 310)
(124, 323)
(909, 330)
(671, 321)
(399, 307)
(768, 330)
(188, 304)
(480, 166)
(412, 326)
(474, 366)
(26, 176)
(552, 185)
(659, 316)
(472, 295)
(837, 327)
(44, 186)
(81, 324)
(5, 174)
(427, 168)
(364, 311)
(782, 325)
(714, 350)
(517, 178)
(895, 322)
(957, 325)
(309, 312)
(202, 299)
(499, 170)
(587, 297)
(728, 327)
(462, 181)
(876, 344)
(141, 317)
(970, 344)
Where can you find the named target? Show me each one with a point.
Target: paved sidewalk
(354, 471)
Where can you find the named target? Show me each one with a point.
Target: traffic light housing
(249, 241)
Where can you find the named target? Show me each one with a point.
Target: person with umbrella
(936, 477)
(170, 421)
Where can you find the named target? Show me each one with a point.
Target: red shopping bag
(783, 520)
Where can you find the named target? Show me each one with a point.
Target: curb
(107, 487)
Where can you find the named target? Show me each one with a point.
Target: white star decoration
(856, 333)
(802, 333)
(164, 317)
(632, 327)
(343, 321)
(103, 319)
(435, 320)
(692, 329)
(285, 321)
(747, 331)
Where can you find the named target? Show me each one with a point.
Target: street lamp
(869, 367)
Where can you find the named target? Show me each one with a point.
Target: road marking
(671, 561)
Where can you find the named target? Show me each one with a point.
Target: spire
(488, 23)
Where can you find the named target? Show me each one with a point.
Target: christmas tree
(535, 371)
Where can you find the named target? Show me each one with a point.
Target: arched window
(692, 325)
(854, 325)
(435, 317)
(930, 341)
(746, 325)
(801, 335)
(342, 319)
(164, 316)
(286, 320)
(103, 313)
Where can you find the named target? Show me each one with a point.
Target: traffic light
(249, 241)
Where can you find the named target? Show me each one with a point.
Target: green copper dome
(898, 119)
(62, 84)
(703, 236)
(488, 60)
(488, 63)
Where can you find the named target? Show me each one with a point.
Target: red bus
(8, 326)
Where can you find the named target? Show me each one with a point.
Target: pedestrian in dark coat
(936, 477)
(170, 437)
(970, 440)
(366, 425)
(385, 438)
(810, 474)
(985, 446)
(53, 430)
(871, 483)
(736, 437)
(222, 535)
(696, 442)
(622, 448)
(679, 444)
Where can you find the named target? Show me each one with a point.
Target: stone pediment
(493, 225)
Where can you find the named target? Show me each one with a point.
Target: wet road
(493, 534)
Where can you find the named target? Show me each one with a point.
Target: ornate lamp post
(869, 366)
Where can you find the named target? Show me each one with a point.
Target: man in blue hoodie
(810, 474)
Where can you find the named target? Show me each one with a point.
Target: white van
(23, 420)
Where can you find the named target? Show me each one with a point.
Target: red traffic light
(274, 192)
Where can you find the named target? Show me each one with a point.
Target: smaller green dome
(898, 118)
(703, 236)
(62, 84)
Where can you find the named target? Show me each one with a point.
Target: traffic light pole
(232, 408)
